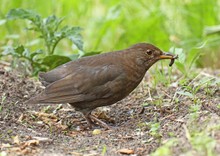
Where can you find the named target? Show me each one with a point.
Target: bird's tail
(39, 99)
(31, 101)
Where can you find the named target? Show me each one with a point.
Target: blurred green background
(191, 25)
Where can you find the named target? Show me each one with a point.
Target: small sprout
(146, 104)
(46, 109)
(154, 129)
(104, 149)
(57, 108)
(194, 108)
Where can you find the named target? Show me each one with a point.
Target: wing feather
(84, 84)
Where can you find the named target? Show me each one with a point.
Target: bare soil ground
(162, 120)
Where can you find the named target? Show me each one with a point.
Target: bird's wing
(58, 73)
(85, 84)
(68, 68)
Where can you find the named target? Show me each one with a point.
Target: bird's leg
(101, 123)
(88, 119)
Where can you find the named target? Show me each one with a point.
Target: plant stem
(55, 44)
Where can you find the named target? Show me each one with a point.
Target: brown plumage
(99, 80)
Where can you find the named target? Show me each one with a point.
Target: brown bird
(100, 80)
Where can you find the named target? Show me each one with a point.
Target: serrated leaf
(77, 40)
(52, 23)
(23, 14)
(53, 61)
(73, 34)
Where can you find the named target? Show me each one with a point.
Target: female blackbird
(100, 80)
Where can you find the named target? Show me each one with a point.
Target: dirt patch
(173, 119)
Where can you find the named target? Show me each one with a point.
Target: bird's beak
(166, 55)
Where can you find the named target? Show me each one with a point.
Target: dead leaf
(126, 151)
(29, 143)
(73, 133)
(21, 118)
(41, 114)
(41, 139)
(5, 145)
(16, 140)
(15, 149)
(102, 115)
(32, 142)
(61, 126)
(26, 151)
(76, 154)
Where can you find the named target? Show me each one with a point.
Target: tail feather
(39, 99)
(31, 101)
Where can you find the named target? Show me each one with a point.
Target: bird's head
(148, 54)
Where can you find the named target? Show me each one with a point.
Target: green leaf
(37, 52)
(33, 42)
(210, 30)
(73, 34)
(19, 50)
(13, 36)
(185, 93)
(23, 14)
(192, 57)
(114, 12)
(91, 53)
(52, 61)
(52, 23)
(26, 53)
(8, 50)
(180, 67)
(74, 56)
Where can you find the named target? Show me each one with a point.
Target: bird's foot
(92, 120)
(100, 122)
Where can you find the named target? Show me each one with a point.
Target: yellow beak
(168, 56)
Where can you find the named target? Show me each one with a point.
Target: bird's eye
(149, 52)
